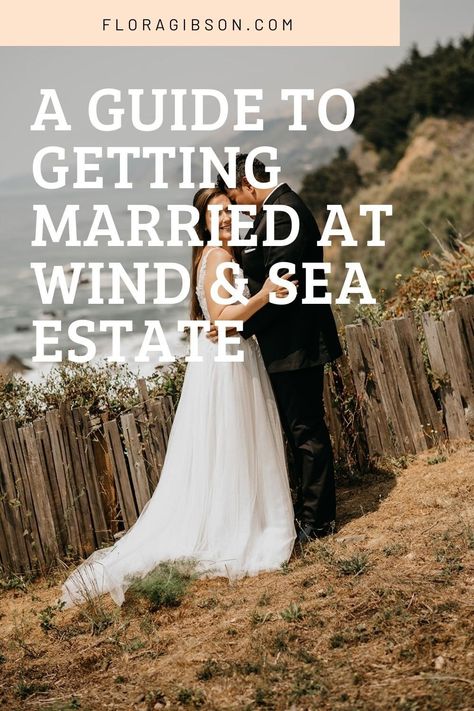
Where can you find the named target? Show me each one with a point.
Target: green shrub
(105, 387)
(334, 183)
(355, 565)
(165, 585)
(293, 613)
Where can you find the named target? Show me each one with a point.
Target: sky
(76, 72)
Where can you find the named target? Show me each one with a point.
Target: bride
(223, 498)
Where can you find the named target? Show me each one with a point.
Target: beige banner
(150, 23)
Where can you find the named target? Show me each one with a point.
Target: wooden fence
(398, 411)
(69, 482)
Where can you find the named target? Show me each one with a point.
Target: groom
(296, 340)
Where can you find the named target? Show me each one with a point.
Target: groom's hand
(212, 335)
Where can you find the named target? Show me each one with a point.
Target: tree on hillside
(439, 84)
(334, 183)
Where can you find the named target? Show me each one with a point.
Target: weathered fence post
(450, 368)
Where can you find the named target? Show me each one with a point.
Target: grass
(48, 614)
(191, 697)
(20, 638)
(279, 642)
(354, 565)
(71, 705)
(134, 645)
(264, 599)
(166, 585)
(13, 582)
(97, 617)
(209, 603)
(450, 556)
(395, 549)
(367, 633)
(293, 613)
(264, 698)
(24, 689)
(259, 618)
(437, 459)
(337, 640)
(211, 668)
(306, 684)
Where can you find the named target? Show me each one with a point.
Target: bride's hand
(280, 291)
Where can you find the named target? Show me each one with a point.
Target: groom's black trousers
(299, 396)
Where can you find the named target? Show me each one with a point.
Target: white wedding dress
(223, 498)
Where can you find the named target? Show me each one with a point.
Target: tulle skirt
(223, 498)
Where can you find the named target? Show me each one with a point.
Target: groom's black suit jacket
(296, 335)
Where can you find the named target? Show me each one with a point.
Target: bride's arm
(233, 312)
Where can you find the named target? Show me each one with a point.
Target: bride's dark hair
(201, 201)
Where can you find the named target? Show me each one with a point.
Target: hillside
(437, 84)
(379, 616)
(415, 151)
(431, 190)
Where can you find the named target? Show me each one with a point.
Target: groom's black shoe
(307, 532)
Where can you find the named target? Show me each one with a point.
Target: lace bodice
(200, 291)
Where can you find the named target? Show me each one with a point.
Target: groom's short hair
(259, 171)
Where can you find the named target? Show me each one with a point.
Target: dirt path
(379, 616)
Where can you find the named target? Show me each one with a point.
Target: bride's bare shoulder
(218, 255)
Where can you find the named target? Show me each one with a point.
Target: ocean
(20, 302)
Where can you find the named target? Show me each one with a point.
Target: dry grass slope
(429, 188)
(377, 617)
